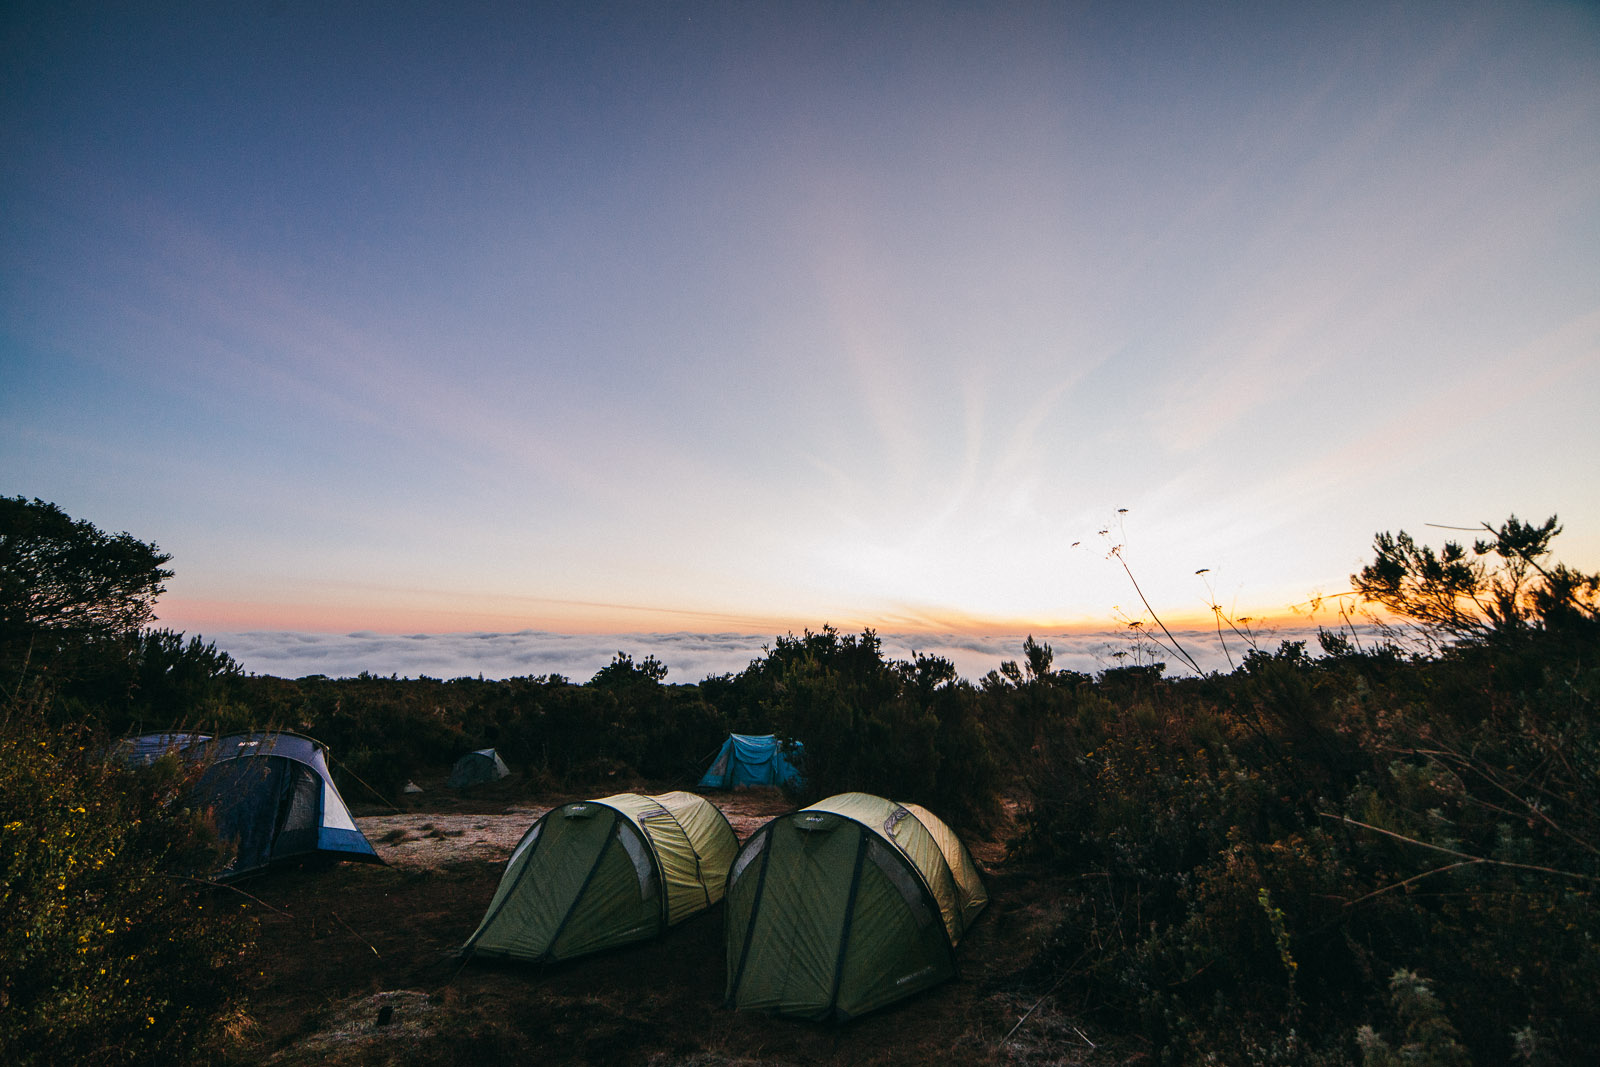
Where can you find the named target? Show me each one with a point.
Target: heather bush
(112, 952)
(840, 699)
(910, 730)
(1260, 864)
(1428, 1038)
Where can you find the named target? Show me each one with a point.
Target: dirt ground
(432, 839)
(359, 964)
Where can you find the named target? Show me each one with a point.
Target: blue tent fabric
(144, 749)
(747, 760)
(273, 799)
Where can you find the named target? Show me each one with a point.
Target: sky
(743, 319)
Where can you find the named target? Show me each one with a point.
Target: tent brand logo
(914, 975)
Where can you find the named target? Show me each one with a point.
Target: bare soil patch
(358, 964)
(431, 839)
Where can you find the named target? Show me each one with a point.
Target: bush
(909, 731)
(1251, 857)
(111, 952)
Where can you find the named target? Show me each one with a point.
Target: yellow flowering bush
(106, 955)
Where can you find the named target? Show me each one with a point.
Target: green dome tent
(847, 906)
(599, 873)
(475, 768)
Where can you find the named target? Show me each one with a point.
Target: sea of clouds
(689, 657)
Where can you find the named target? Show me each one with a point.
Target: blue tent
(747, 760)
(144, 749)
(273, 799)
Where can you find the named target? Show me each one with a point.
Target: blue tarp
(749, 760)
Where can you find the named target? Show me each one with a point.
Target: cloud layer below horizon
(689, 657)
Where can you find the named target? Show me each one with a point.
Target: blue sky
(717, 317)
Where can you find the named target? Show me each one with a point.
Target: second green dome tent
(846, 906)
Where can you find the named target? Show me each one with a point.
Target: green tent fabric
(599, 873)
(475, 768)
(846, 906)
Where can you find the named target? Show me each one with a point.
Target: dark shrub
(112, 952)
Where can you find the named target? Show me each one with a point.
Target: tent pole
(849, 916)
(755, 913)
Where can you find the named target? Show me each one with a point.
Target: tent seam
(664, 910)
(588, 878)
(849, 916)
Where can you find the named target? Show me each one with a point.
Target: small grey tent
(475, 768)
(600, 873)
(847, 906)
(752, 760)
(273, 799)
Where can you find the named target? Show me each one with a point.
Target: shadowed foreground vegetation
(1364, 855)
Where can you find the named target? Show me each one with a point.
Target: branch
(212, 883)
(1445, 756)
(1529, 560)
(1413, 878)
(1459, 855)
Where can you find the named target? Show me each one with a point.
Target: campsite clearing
(431, 839)
(340, 944)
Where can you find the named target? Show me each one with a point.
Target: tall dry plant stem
(1224, 617)
(1177, 648)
